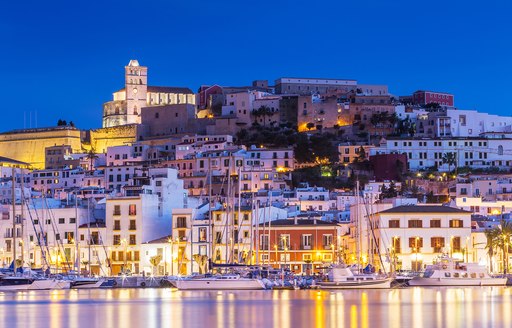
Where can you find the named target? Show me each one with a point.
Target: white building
(493, 151)
(414, 236)
(141, 214)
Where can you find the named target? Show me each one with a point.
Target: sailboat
(221, 281)
(341, 276)
(27, 280)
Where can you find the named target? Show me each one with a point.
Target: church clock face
(134, 91)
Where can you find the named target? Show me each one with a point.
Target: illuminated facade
(127, 103)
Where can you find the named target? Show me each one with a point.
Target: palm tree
(491, 244)
(505, 234)
(155, 261)
(91, 156)
(450, 159)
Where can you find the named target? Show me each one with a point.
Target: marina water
(407, 307)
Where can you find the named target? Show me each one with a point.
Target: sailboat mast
(270, 224)
(14, 219)
(89, 234)
(77, 252)
(226, 223)
(358, 228)
(256, 213)
(22, 219)
(239, 211)
(210, 221)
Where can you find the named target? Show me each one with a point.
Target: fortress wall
(101, 139)
(29, 145)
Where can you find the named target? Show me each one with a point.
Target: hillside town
(296, 174)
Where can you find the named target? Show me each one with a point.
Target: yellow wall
(29, 145)
(103, 138)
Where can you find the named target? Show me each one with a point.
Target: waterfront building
(140, 214)
(412, 236)
(46, 233)
(301, 245)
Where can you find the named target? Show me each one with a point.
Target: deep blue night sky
(65, 58)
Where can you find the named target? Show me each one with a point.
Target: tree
(383, 192)
(155, 261)
(310, 125)
(201, 261)
(505, 234)
(91, 156)
(498, 238)
(450, 159)
(392, 189)
(491, 236)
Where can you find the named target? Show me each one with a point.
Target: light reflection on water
(418, 307)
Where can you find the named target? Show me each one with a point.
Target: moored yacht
(449, 272)
(78, 282)
(219, 282)
(13, 283)
(341, 277)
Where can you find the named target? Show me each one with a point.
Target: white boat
(219, 282)
(449, 272)
(341, 277)
(28, 283)
(78, 282)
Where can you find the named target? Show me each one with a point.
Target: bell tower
(136, 86)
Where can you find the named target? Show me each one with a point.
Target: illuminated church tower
(125, 107)
(136, 86)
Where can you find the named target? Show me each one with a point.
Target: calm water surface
(413, 307)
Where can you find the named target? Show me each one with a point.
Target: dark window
(415, 224)
(435, 223)
(394, 223)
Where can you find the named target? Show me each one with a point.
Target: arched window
(500, 150)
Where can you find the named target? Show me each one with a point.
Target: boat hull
(87, 284)
(357, 284)
(38, 285)
(425, 282)
(219, 284)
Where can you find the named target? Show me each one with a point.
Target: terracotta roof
(424, 209)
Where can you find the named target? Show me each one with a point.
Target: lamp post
(451, 246)
(332, 248)
(124, 243)
(275, 248)
(285, 250)
(467, 249)
(416, 260)
(172, 255)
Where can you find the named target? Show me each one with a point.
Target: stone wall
(101, 139)
(29, 145)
